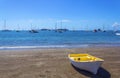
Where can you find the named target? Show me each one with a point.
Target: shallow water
(52, 39)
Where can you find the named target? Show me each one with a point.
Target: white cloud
(84, 20)
(30, 20)
(36, 23)
(116, 24)
(64, 20)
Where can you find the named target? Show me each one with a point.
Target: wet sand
(54, 63)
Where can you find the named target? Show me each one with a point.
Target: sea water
(52, 39)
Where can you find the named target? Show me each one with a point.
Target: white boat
(86, 62)
(117, 33)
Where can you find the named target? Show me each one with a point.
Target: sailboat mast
(55, 26)
(61, 24)
(4, 25)
(103, 27)
(31, 26)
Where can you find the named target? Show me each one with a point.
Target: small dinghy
(86, 62)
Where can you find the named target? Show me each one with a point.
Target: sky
(73, 14)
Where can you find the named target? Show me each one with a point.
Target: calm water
(51, 39)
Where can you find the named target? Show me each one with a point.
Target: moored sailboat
(5, 28)
(33, 30)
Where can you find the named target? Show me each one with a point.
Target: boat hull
(88, 66)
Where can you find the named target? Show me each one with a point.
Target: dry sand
(54, 63)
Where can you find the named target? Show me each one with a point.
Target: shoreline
(54, 63)
(98, 45)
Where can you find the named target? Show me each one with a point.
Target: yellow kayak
(86, 62)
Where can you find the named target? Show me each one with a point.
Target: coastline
(72, 46)
(54, 63)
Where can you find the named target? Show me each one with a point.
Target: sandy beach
(54, 63)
